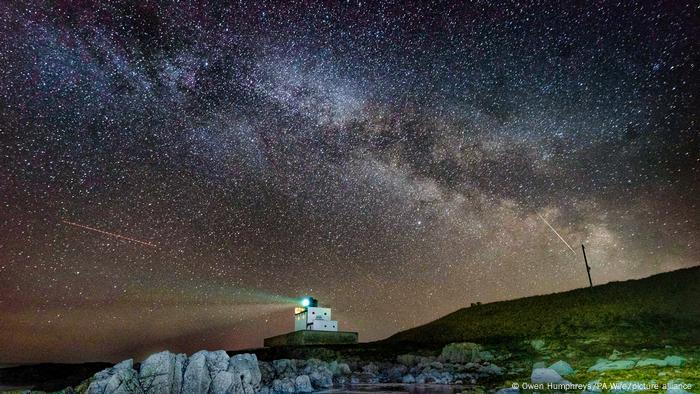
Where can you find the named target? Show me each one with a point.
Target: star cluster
(391, 159)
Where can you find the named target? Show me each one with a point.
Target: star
(383, 155)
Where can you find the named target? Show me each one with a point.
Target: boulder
(124, 381)
(114, 379)
(161, 374)
(562, 367)
(408, 379)
(224, 383)
(283, 386)
(321, 378)
(340, 381)
(462, 352)
(216, 362)
(302, 384)
(677, 387)
(443, 378)
(395, 373)
(508, 390)
(605, 365)
(675, 361)
(285, 367)
(267, 373)
(247, 368)
(677, 391)
(423, 379)
(539, 364)
(197, 378)
(651, 362)
(179, 377)
(339, 369)
(592, 387)
(370, 368)
(546, 375)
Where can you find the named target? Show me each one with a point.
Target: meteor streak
(108, 233)
(555, 232)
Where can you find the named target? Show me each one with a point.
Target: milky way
(391, 160)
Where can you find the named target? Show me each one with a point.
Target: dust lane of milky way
(391, 159)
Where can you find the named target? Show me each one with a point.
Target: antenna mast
(588, 268)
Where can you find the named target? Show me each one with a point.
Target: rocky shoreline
(465, 367)
(280, 376)
(215, 372)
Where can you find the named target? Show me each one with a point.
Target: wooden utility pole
(588, 269)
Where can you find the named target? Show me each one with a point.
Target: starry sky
(396, 160)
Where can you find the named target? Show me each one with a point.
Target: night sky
(396, 161)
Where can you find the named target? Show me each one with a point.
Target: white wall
(324, 325)
(316, 313)
(315, 318)
(300, 321)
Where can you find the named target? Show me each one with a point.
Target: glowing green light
(305, 302)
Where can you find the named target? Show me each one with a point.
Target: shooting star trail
(555, 232)
(108, 233)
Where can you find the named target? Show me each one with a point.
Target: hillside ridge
(646, 306)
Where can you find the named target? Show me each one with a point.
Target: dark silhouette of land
(660, 310)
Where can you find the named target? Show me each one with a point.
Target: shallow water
(398, 388)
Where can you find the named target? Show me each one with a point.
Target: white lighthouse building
(313, 325)
(312, 317)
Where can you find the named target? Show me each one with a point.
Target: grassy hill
(646, 319)
(660, 309)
